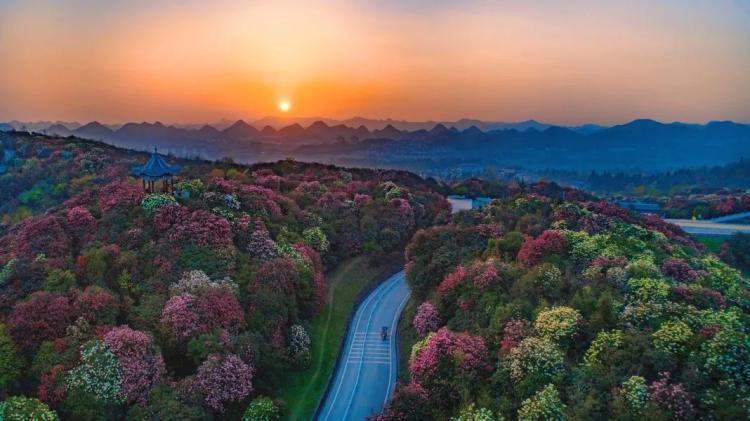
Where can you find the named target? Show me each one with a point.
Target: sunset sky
(564, 62)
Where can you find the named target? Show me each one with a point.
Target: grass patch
(711, 242)
(407, 337)
(304, 389)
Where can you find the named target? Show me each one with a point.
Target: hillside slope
(535, 308)
(190, 305)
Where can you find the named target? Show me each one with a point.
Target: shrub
(533, 250)
(202, 228)
(21, 408)
(10, 360)
(299, 345)
(472, 413)
(514, 332)
(153, 202)
(222, 379)
(196, 281)
(316, 238)
(557, 323)
(671, 396)
(261, 409)
(43, 317)
(538, 357)
(119, 194)
(186, 315)
(142, 367)
(545, 405)
(96, 305)
(99, 375)
(427, 319)
(672, 337)
(634, 393)
(466, 352)
(604, 344)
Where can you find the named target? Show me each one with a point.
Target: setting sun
(284, 106)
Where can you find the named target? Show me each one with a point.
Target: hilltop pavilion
(156, 169)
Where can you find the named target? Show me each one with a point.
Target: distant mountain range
(639, 145)
(281, 122)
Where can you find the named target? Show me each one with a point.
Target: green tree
(10, 360)
(545, 405)
(261, 409)
(21, 408)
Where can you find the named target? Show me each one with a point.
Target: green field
(305, 388)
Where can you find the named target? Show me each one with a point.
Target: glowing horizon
(554, 61)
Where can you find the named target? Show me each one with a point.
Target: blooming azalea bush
(44, 316)
(119, 195)
(427, 319)
(221, 380)
(186, 315)
(142, 366)
(671, 396)
(533, 250)
(99, 375)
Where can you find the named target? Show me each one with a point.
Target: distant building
(461, 203)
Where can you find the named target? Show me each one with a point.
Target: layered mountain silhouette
(639, 144)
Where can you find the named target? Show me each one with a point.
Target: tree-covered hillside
(541, 309)
(116, 304)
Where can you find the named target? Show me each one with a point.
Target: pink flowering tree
(142, 366)
(203, 229)
(260, 245)
(672, 397)
(96, 305)
(119, 195)
(43, 235)
(169, 215)
(43, 317)
(445, 356)
(427, 319)
(221, 380)
(534, 250)
(81, 225)
(187, 315)
(280, 275)
(514, 332)
(678, 269)
(260, 200)
(452, 280)
(410, 402)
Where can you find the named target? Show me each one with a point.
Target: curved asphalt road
(366, 374)
(709, 228)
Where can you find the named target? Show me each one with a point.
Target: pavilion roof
(156, 168)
